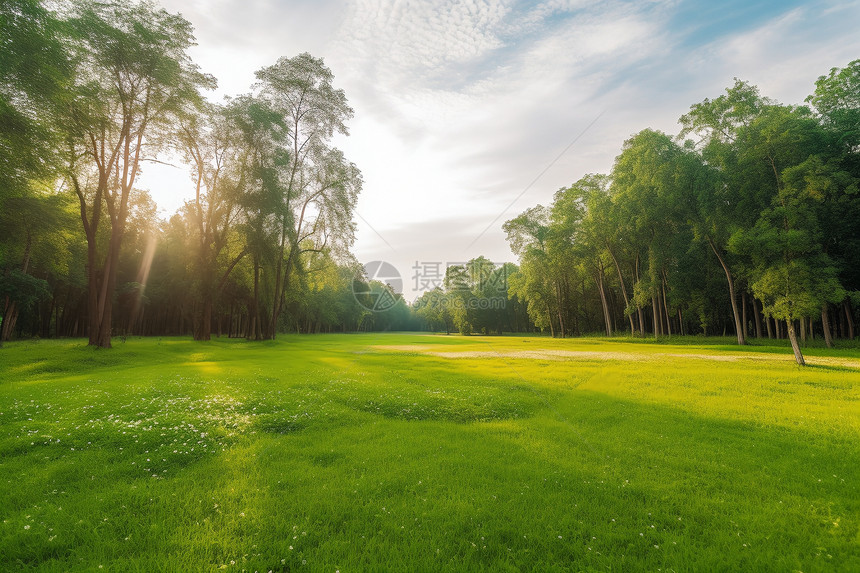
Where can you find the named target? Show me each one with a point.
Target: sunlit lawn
(427, 453)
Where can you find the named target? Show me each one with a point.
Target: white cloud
(785, 56)
(421, 37)
(469, 147)
(460, 104)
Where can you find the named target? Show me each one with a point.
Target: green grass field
(408, 452)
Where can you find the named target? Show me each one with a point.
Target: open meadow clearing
(427, 453)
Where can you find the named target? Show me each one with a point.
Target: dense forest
(92, 94)
(747, 222)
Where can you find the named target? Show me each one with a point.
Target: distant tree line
(746, 222)
(474, 299)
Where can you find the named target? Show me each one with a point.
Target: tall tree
(837, 102)
(647, 189)
(134, 77)
(602, 227)
(729, 203)
(318, 187)
(34, 71)
(529, 234)
(264, 156)
(577, 233)
(793, 277)
(792, 274)
(211, 144)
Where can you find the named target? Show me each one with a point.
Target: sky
(469, 112)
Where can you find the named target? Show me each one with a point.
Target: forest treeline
(92, 93)
(745, 222)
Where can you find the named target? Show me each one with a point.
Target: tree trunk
(757, 315)
(842, 329)
(60, 329)
(283, 283)
(798, 356)
(203, 320)
(744, 312)
(10, 317)
(93, 288)
(607, 320)
(6, 304)
(661, 302)
(561, 329)
(666, 307)
(846, 306)
(639, 310)
(623, 292)
(769, 330)
(276, 297)
(656, 312)
(549, 315)
(825, 323)
(10, 307)
(738, 329)
(104, 296)
(803, 331)
(255, 305)
(108, 288)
